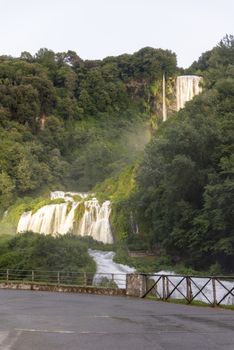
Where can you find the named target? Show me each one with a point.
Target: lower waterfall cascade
(92, 220)
(106, 266)
(187, 86)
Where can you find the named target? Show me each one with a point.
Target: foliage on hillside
(72, 123)
(8, 224)
(69, 123)
(185, 182)
(30, 251)
(119, 189)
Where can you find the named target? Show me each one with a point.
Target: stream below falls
(108, 269)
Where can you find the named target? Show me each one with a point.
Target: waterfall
(62, 218)
(187, 86)
(164, 99)
(106, 267)
(67, 196)
(95, 221)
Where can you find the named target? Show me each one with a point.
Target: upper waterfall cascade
(187, 86)
(86, 217)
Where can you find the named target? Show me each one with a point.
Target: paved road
(49, 321)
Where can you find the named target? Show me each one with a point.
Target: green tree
(7, 188)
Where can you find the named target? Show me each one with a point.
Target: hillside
(68, 123)
(182, 200)
(81, 125)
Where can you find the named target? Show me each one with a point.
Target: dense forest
(29, 251)
(69, 123)
(82, 125)
(183, 196)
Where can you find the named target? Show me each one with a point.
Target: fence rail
(212, 290)
(108, 280)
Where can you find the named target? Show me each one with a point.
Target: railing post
(188, 289)
(7, 275)
(164, 289)
(156, 289)
(32, 276)
(167, 287)
(58, 278)
(214, 292)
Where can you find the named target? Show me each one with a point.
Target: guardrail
(86, 279)
(212, 290)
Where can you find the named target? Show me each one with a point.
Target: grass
(77, 198)
(79, 212)
(193, 303)
(8, 224)
(118, 187)
(153, 264)
(36, 205)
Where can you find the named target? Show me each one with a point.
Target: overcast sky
(100, 28)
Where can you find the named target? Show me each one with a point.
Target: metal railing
(105, 280)
(212, 290)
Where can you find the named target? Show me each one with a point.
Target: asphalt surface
(49, 321)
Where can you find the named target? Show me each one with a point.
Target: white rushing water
(106, 267)
(187, 86)
(93, 218)
(196, 284)
(67, 196)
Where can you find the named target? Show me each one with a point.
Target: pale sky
(99, 28)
